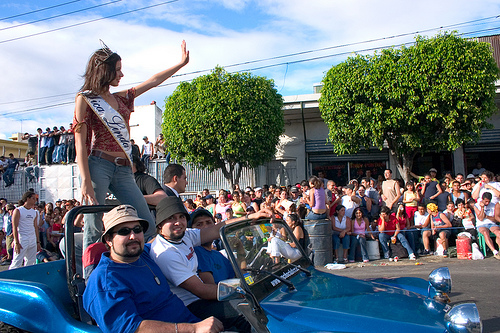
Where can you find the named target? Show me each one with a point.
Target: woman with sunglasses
(102, 136)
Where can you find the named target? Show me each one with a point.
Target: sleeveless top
(359, 229)
(437, 220)
(26, 226)
(454, 198)
(319, 199)
(238, 209)
(410, 196)
(341, 224)
(302, 241)
(430, 189)
(389, 190)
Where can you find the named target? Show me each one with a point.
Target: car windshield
(251, 248)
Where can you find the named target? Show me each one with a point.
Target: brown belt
(120, 161)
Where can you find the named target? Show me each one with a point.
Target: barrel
(320, 237)
(373, 250)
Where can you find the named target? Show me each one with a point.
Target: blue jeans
(354, 244)
(385, 239)
(336, 240)
(145, 160)
(313, 216)
(8, 176)
(30, 170)
(119, 180)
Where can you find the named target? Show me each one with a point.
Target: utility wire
(38, 10)
(60, 15)
(87, 22)
(249, 69)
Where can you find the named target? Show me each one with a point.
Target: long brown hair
(100, 71)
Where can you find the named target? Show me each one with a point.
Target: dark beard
(176, 239)
(128, 254)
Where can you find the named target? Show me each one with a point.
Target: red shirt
(390, 226)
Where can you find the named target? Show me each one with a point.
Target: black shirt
(147, 184)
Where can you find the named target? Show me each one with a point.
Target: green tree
(435, 95)
(224, 120)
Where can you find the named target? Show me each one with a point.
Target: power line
(239, 64)
(60, 15)
(86, 22)
(39, 10)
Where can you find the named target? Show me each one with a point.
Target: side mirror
(229, 289)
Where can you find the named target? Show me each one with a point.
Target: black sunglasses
(126, 231)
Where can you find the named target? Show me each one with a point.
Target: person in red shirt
(389, 229)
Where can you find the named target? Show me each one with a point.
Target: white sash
(113, 121)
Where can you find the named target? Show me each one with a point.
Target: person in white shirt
(173, 251)
(25, 232)
(487, 213)
(487, 184)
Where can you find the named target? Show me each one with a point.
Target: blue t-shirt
(120, 296)
(214, 262)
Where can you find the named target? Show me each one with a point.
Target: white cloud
(149, 41)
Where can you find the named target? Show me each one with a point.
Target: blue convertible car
(276, 294)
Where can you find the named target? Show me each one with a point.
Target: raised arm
(160, 77)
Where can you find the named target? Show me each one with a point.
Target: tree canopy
(435, 95)
(222, 120)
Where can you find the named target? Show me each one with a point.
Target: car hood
(330, 303)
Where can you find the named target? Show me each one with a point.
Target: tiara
(106, 50)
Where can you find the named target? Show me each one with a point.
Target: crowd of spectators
(421, 216)
(49, 220)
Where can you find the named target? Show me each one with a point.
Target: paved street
(473, 280)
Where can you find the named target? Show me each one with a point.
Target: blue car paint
(327, 302)
(36, 298)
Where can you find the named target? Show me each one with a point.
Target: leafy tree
(223, 120)
(432, 96)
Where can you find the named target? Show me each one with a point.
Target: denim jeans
(313, 216)
(120, 181)
(354, 244)
(337, 240)
(385, 239)
(8, 176)
(30, 170)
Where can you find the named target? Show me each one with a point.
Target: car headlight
(440, 279)
(463, 318)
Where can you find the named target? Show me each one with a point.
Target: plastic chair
(482, 242)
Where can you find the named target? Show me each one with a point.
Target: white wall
(145, 121)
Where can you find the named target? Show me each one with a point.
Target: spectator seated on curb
(440, 227)
(389, 230)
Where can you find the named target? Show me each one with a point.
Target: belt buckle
(117, 161)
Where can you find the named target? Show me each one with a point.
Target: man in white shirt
(487, 213)
(487, 184)
(173, 251)
(147, 152)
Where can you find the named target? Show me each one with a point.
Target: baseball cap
(168, 207)
(144, 137)
(433, 170)
(294, 189)
(258, 189)
(197, 213)
(119, 215)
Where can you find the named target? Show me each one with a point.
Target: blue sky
(40, 75)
